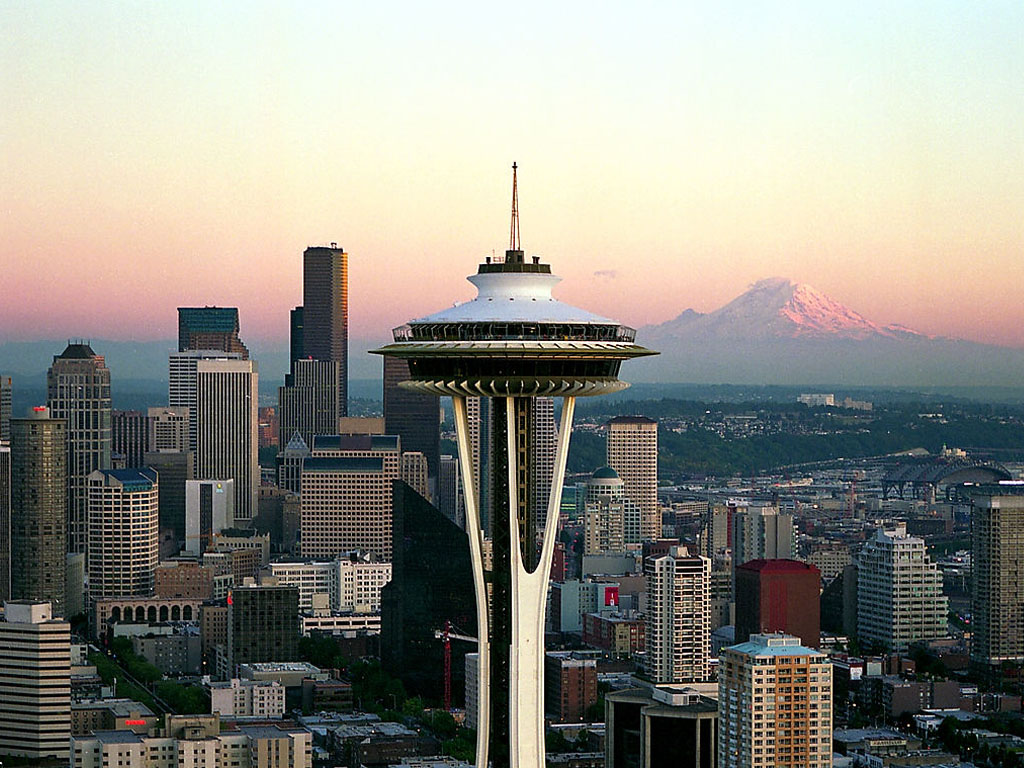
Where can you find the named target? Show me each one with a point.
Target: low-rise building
(247, 698)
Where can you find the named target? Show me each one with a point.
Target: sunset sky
(162, 154)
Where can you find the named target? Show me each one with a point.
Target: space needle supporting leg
(526, 665)
(475, 535)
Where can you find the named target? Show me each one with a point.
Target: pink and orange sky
(164, 154)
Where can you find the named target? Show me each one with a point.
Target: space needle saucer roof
(514, 339)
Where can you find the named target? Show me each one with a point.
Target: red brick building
(570, 686)
(619, 635)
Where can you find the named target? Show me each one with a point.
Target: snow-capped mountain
(781, 332)
(776, 308)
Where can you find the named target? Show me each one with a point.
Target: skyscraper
(997, 576)
(678, 633)
(295, 335)
(899, 592)
(5, 408)
(449, 495)
(182, 385)
(210, 328)
(604, 518)
(78, 391)
(35, 682)
(227, 420)
(209, 509)
(5, 522)
(123, 532)
(325, 310)
(413, 416)
(633, 454)
(309, 402)
(130, 436)
(543, 437)
(774, 705)
(39, 491)
(512, 343)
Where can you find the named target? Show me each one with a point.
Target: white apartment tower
(774, 705)
(227, 424)
(633, 454)
(678, 617)
(124, 532)
(35, 682)
(762, 533)
(899, 592)
(346, 495)
(604, 518)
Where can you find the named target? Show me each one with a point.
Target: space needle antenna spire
(514, 243)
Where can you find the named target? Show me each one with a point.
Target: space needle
(511, 343)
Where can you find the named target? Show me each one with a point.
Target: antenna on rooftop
(513, 235)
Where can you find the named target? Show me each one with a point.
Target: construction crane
(447, 635)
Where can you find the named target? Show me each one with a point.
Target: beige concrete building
(124, 532)
(247, 698)
(762, 532)
(346, 495)
(414, 472)
(349, 583)
(774, 705)
(678, 634)
(633, 453)
(35, 682)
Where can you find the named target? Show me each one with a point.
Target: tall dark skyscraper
(39, 490)
(210, 328)
(130, 436)
(413, 416)
(78, 391)
(325, 309)
(295, 337)
(5, 523)
(5, 407)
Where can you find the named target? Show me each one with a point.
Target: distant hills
(783, 333)
(777, 333)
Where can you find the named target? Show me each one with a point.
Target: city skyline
(864, 151)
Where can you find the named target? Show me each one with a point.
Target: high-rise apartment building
(899, 592)
(997, 576)
(5, 408)
(39, 491)
(78, 391)
(762, 532)
(209, 509)
(346, 495)
(774, 705)
(5, 522)
(263, 624)
(633, 454)
(130, 435)
(35, 682)
(413, 416)
(678, 632)
(325, 310)
(123, 532)
(310, 400)
(778, 596)
(210, 328)
(227, 441)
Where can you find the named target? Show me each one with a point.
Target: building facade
(39, 490)
(263, 624)
(78, 391)
(762, 532)
(210, 328)
(678, 636)
(414, 417)
(325, 310)
(774, 705)
(346, 495)
(997, 576)
(633, 454)
(5, 522)
(899, 593)
(778, 596)
(130, 436)
(209, 510)
(310, 400)
(124, 532)
(35, 682)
